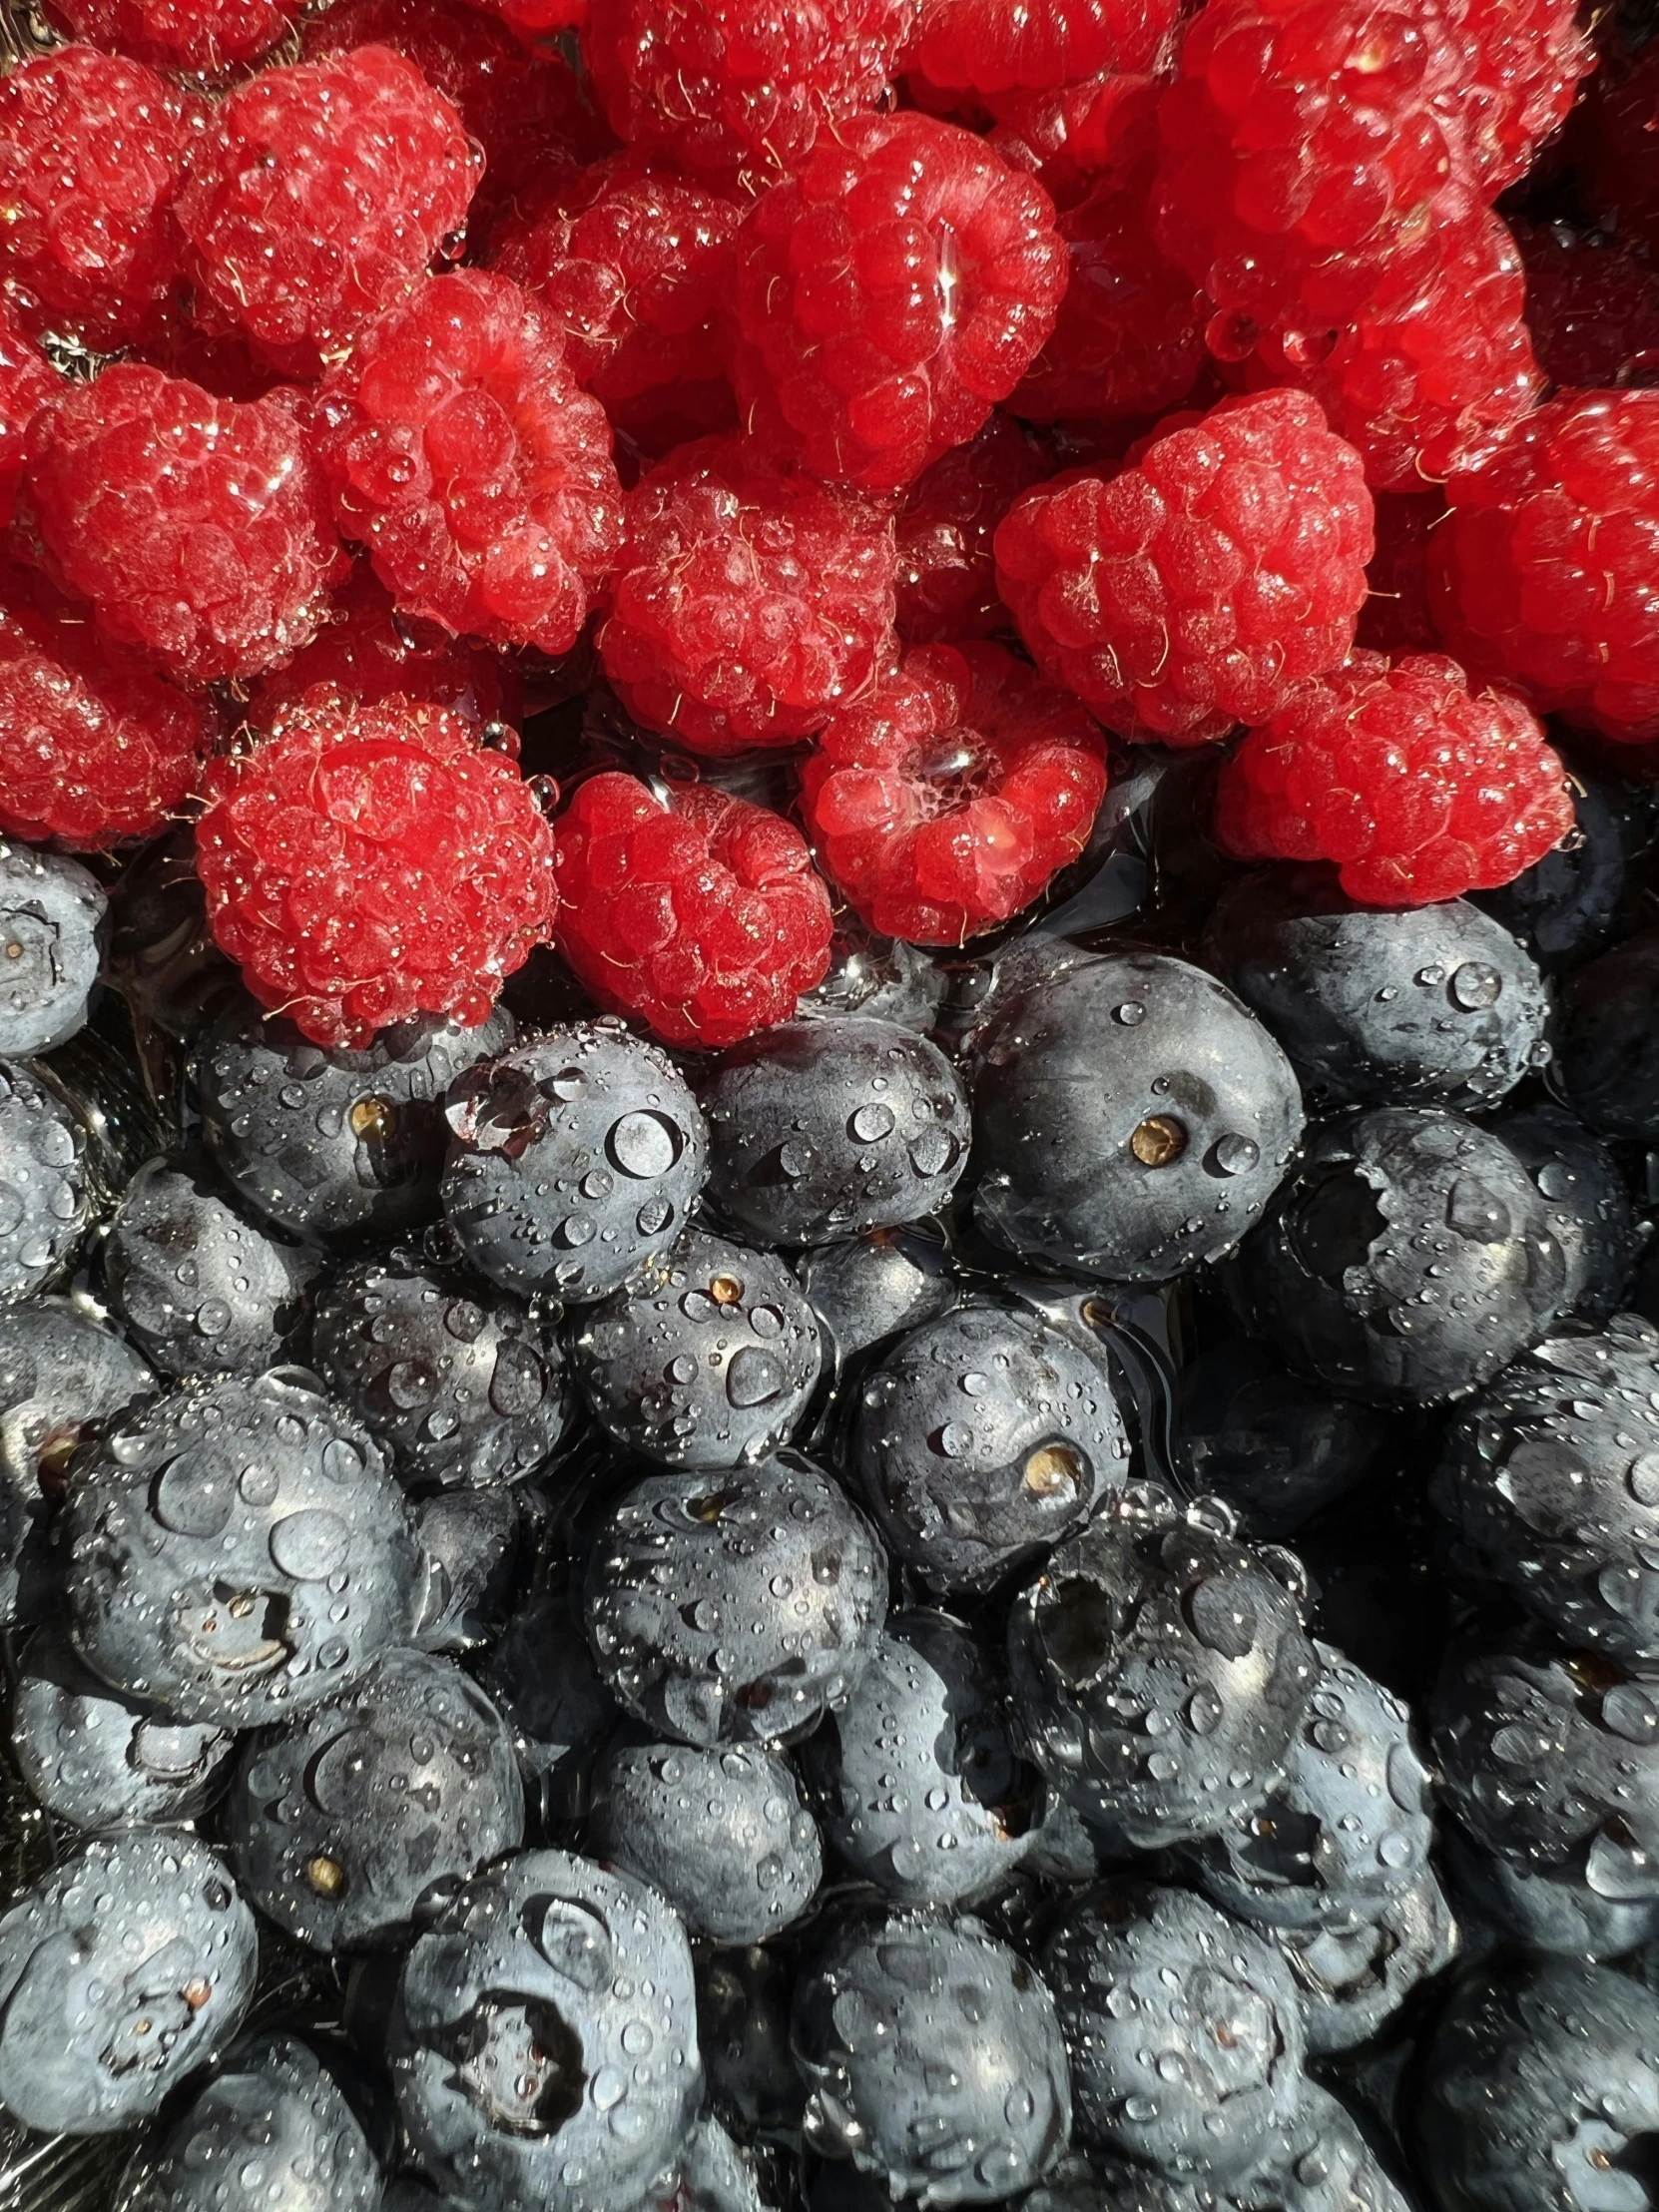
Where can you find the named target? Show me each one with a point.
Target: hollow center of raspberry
(950, 771)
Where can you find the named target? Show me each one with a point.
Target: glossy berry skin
(996, 46)
(460, 452)
(1417, 788)
(92, 150)
(1174, 603)
(945, 527)
(61, 1374)
(1593, 309)
(1353, 1980)
(729, 88)
(26, 378)
(1608, 1051)
(696, 911)
(1538, 576)
(208, 36)
(1591, 1216)
(869, 364)
(748, 601)
(47, 1181)
(369, 864)
(197, 528)
(945, 802)
(318, 195)
(51, 941)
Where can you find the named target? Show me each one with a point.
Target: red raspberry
(633, 268)
(748, 602)
(98, 751)
(726, 87)
(91, 150)
(1070, 137)
(698, 913)
(318, 195)
(460, 452)
(1418, 788)
(1615, 140)
(947, 566)
(369, 863)
(1542, 576)
(203, 35)
(533, 19)
(1193, 589)
(197, 527)
(891, 292)
(365, 651)
(1396, 617)
(26, 378)
(945, 802)
(991, 45)
(1593, 309)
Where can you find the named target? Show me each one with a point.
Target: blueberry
(1550, 1481)
(1607, 1043)
(824, 1130)
(735, 1607)
(1590, 1214)
(1350, 1825)
(932, 2058)
(1320, 2163)
(459, 1383)
(1405, 1006)
(1352, 1980)
(742, 2023)
(1540, 2088)
(544, 2038)
(1130, 1117)
(51, 919)
(120, 1972)
(920, 1783)
(875, 1287)
(712, 2174)
(1407, 1258)
(573, 1162)
(1503, 1901)
(241, 1550)
(46, 1181)
(273, 2127)
(1569, 906)
(1182, 2028)
(722, 1834)
(982, 1438)
(163, 956)
(470, 1539)
(201, 1290)
(99, 1760)
(334, 1146)
(1161, 1670)
(708, 1361)
(542, 1679)
(879, 976)
(1112, 2185)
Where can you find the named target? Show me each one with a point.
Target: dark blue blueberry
(1353, 1980)
(47, 1187)
(879, 976)
(1320, 2162)
(875, 1287)
(1570, 905)
(1590, 1214)
(51, 922)
(1607, 1041)
(1501, 1901)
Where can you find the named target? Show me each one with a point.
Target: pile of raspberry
(887, 421)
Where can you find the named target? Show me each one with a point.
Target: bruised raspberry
(993, 46)
(369, 863)
(26, 380)
(891, 292)
(1194, 588)
(1396, 617)
(460, 452)
(198, 528)
(1418, 788)
(748, 602)
(944, 802)
(318, 195)
(945, 528)
(699, 913)
(1593, 309)
(205, 36)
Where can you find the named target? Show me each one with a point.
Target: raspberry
(632, 267)
(460, 452)
(1593, 309)
(1418, 788)
(1542, 576)
(319, 195)
(91, 150)
(535, 18)
(945, 802)
(26, 378)
(891, 292)
(97, 751)
(947, 568)
(991, 45)
(1193, 589)
(1615, 138)
(365, 651)
(203, 35)
(1073, 136)
(699, 913)
(748, 602)
(1396, 617)
(197, 527)
(724, 87)
(369, 863)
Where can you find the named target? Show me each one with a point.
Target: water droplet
(870, 1123)
(643, 1145)
(1236, 1155)
(1475, 984)
(753, 1377)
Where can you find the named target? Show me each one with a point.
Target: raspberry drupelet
(945, 802)
(699, 913)
(1195, 587)
(1418, 789)
(318, 195)
(197, 528)
(205, 36)
(748, 602)
(369, 863)
(945, 528)
(1593, 309)
(993, 46)
(27, 378)
(1542, 575)
(459, 450)
(891, 293)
